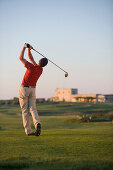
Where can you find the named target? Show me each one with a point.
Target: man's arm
(31, 57)
(21, 57)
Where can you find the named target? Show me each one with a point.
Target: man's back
(32, 74)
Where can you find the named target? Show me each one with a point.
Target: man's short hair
(43, 62)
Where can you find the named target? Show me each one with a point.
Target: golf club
(66, 74)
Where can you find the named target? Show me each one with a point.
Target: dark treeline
(15, 101)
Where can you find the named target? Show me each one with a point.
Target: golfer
(27, 96)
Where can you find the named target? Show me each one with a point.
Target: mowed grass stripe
(78, 144)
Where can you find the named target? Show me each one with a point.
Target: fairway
(63, 144)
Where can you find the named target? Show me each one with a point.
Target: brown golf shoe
(31, 134)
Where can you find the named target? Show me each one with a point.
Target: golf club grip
(49, 60)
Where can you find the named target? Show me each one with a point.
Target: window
(74, 91)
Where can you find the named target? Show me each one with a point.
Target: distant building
(64, 94)
(109, 98)
(71, 95)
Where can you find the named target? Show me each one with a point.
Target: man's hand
(30, 47)
(26, 45)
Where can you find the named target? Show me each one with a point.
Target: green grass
(62, 145)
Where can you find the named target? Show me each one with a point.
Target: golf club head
(66, 74)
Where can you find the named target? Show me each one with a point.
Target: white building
(64, 94)
(71, 95)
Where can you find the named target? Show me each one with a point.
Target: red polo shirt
(32, 74)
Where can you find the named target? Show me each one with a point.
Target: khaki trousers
(27, 99)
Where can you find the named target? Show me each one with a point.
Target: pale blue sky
(75, 34)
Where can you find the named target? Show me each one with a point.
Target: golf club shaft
(49, 60)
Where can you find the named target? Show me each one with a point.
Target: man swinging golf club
(27, 96)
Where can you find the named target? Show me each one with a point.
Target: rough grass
(61, 145)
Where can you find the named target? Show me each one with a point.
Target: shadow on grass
(1, 128)
(57, 165)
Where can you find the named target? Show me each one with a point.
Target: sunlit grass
(61, 145)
